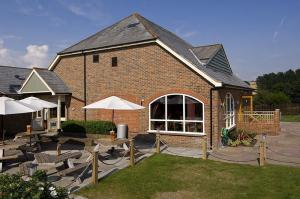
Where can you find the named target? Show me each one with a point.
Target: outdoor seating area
(69, 162)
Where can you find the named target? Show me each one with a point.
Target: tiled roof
(136, 28)
(53, 81)
(11, 79)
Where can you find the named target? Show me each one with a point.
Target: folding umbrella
(9, 106)
(114, 103)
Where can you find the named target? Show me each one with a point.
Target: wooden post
(261, 154)
(95, 168)
(58, 149)
(131, 152)
(58, 122)
(265, 150)
(277, 121)
(157, 143)
(204, 149)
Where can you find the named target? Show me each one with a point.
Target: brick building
(189, 92)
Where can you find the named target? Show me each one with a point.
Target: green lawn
(290, 118)
(166, 176)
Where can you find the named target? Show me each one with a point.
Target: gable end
(220, 62)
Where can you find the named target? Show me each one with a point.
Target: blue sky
(258, 36)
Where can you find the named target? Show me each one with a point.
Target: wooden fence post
(204, 149)
(261, 154)
(58, 149)
(131, 141)
(157, 143)
(95, 168)
(277, 121)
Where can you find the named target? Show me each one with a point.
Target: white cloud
(275, 35)
(36, 56)
(189, 34)
(279, 27)
(185, 34)
(92, 10)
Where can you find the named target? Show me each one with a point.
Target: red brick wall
(143, 73)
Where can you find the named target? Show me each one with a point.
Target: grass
(290, 118)
(165, 176)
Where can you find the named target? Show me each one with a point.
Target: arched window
(229, 111)
(176, 113)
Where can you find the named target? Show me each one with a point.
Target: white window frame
(229, 116)
(184, 121)
(39, 114)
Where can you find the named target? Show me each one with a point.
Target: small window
(114, 61)
(95, 58)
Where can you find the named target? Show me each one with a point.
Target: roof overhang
(41, 79)
(214, 82)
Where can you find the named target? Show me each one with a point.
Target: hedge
(92, 127)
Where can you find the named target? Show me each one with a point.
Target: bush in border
(90, 127)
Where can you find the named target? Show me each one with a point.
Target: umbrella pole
(113, 116)
(2, 124)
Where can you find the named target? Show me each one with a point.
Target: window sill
(178, 133)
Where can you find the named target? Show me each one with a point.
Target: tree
(277, 88)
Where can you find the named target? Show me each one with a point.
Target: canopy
(37, 104)
(114, 103)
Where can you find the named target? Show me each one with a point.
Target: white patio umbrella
(9, 106)
(114, 103)
(37, 103)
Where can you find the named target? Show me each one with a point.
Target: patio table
(33, 134)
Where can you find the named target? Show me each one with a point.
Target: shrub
(238, 137)
(36, 187)
(93, 127)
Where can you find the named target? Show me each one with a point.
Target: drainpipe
(84, 82)
(211, 116)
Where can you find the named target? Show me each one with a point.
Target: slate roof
(136, 28)
(53, 81)
(205, 53)
(11, 79)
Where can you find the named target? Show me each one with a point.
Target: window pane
(194, 127)
(158, 109)
(193, 109)
(175, 107)
(53, 112)
(157, 125)
(175, 126)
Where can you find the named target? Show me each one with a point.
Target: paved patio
(283, 149)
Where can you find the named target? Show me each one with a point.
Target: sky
(258, 36)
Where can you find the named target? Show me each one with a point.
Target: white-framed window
(38, 114)
(176, 113)
(229, 111)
